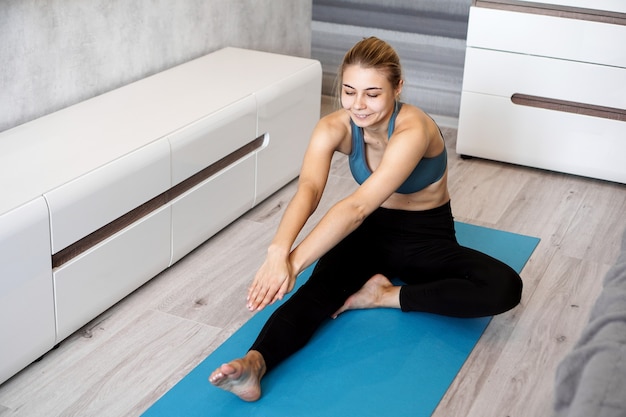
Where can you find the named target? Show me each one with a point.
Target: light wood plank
(473, 191)
(599, 223)
(120, 377)
(545, 211)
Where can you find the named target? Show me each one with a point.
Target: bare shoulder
(413, 117)
(416, 120)
(334, 130)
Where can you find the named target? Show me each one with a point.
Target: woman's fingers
(287, 286)
(261, 296)
(270, 284)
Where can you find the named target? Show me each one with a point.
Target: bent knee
(510, 292)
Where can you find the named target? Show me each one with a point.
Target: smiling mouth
(360, 116)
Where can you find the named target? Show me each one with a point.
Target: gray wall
(54, 53)
(429, 36)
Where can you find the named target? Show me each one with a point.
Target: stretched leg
(337, 275)
(287, 330)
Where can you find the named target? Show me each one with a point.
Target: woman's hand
(277, 275)
(272, 281)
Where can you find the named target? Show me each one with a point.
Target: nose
(359, 102)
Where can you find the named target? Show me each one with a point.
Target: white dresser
(101, 196)
(545, 85)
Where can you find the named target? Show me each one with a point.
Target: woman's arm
(275, 278)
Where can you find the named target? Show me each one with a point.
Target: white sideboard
(545, 86)
(101, 196)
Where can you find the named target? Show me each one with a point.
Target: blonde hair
(371, 53)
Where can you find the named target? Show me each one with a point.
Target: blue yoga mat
(365, 363)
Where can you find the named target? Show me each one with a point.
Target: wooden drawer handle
(569, 107)
(162, 199)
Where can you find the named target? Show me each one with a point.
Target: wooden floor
(125, 359)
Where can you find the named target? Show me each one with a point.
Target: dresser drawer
(505, 74)
(552, 36)
(493, 127)
(95, 280)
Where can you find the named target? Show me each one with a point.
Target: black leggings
(417, 247)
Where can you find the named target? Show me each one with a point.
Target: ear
(399, 88)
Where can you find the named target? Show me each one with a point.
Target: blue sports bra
(426, 172)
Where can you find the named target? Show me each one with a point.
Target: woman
(398, 223)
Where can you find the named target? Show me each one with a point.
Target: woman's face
(367, 95)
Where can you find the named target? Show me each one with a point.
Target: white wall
(54, 53)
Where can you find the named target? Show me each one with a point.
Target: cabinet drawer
(504, 74)
(205, 209)
(212, 138)
(95, 280)
(534, 34)
(542, 138)
(93, 200)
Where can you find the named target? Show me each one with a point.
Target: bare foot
(378, 291)
(242, 376)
